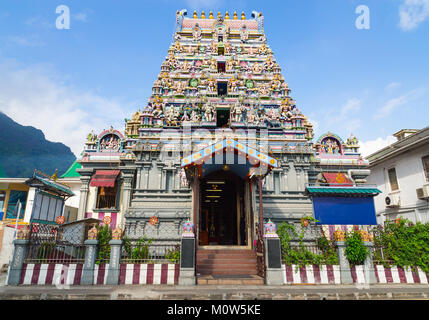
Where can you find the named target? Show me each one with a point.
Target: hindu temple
(220, 143)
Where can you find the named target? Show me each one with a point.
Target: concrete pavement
(213, 292)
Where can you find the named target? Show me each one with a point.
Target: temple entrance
(222, 216)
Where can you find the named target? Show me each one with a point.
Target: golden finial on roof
(234, 17)
(195, 15)
(243, 16)
(211, 15)
(55, 175)
(218, 14)
(227, 16)
(203, 15)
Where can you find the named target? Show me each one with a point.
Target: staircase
(221, 266)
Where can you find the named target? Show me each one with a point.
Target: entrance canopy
(229, 154)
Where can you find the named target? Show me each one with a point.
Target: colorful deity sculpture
(209, 112)
(157, 107)
(196, 32)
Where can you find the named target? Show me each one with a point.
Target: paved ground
(216, 292)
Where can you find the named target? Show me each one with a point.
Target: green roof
(49, 185)
(71, 172)
(344, 190)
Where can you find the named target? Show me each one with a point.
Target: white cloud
(344, 119)
(26, 41)
(37, 96)
(369, 147)
(352, 106)
(39, 22)
(412, 13)
(393, 86)
(391, 105)
(80, 16)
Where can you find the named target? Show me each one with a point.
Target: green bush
(300, 255)
(404, 244)
(104, 237)
(140, 251)
(173, 255)
(356, 251)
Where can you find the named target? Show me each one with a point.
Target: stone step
(218, 251)
(226, 261)
(230, 280)
(249, 266)
(225, 255)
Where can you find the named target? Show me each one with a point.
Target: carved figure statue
(92, 233)
(179, 87)
(252, 117)
(185, 116)
(262, 49)
(211, 85)
(213, 47)
(171, 116)
(171, 61)
(230, 64)
(233, 85)
(228, 47)
(244, 34)
(256, 68)
(157, 107)
(194, 116)
(183, 179)
(213, 64)
(91, 136)
(339, 235)
(196, 32)
(117, 234)
(275, 83)
(269, 63)
(209, 111)
(186, 66)
(177, 47)
(264, 89)
(110, 142)
(237, 112)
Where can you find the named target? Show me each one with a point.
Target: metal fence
(55, 244)
(54, 252)
(381, 256)
(309, 252)
(140, 252)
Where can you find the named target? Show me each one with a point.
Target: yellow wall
(12, 186)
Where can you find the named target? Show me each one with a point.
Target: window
(221, 67)
(426, 167)
(2, 197)
(14, 196)
(106, 197)
(222, 118)
(220, 50)
(222, 88)
(393, 180)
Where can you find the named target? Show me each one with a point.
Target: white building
(401, 172)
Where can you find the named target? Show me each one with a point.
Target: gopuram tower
(220, 143)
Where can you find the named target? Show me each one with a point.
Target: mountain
(24, 148)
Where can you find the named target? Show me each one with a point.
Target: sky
(371, 81)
